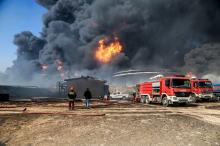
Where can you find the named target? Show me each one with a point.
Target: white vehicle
(119, 95)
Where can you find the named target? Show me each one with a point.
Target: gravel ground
(122, 125)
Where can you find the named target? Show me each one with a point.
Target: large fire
(59, 66)
(105, 53)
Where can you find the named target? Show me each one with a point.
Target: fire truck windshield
(205, 84)
(181, 83)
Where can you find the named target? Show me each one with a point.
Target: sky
(17, 16)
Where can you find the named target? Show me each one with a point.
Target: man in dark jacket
(72, 97)
(88, 96)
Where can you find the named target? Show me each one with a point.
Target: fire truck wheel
(165, 101)
(148, 100)
(143, 99)
(194, 98)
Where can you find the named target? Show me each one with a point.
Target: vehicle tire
(148, 100)
(143, 99)
(194, 98)
(165, 102)
(214, 98)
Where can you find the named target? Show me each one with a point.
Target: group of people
(72, 96)
(88, 96)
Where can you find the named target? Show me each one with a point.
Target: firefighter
(88, 96)
(134, 97)
(72, 97)
(106, 97)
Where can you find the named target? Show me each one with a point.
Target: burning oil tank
(97, 87)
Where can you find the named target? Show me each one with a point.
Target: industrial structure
(97, 87)
(24, 92)
(133, 77)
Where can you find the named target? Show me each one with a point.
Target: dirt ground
(112, 124)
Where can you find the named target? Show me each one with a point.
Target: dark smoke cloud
(27, 62)
(154, 33)
(47, 3)
(29, 46)
(204, 59)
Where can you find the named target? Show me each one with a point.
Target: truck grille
(207, 92)
(182, 94)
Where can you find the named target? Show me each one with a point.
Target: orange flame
(60, 68)
(44, 67)
(105, 53)
(190, 75)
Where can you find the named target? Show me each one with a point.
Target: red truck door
(194, 87)
(166, 86)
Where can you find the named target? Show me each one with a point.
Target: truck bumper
(174, 99)
(205, 96)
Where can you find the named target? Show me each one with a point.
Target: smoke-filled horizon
(173, 35)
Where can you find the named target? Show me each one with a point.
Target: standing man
(88, 96)
(134, 97)
(107, 97)
(72, 97)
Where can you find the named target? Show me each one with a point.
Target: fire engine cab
(202, 89)
(167, 91)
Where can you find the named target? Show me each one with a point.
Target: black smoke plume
(154, 34)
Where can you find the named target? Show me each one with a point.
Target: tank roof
(85, 78)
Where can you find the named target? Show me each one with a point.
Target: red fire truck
(216, 91)
(168, 90)
(202, 89)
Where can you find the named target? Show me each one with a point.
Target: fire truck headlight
(174, 98)
(214, 96)
(192, 98)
